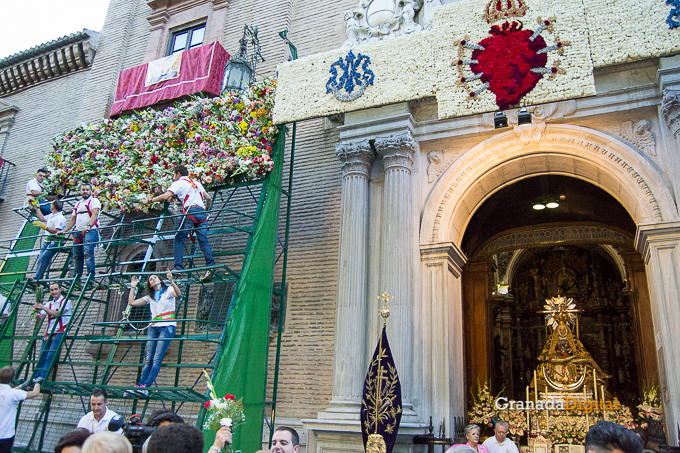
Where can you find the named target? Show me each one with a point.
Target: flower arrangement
(220, 140)
(650, 406)
(568, 430)
(225, 411)
(621, 414)
(483, 412)
(517, 421)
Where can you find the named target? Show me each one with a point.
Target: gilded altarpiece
(589, 276)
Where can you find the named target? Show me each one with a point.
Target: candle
(535, 388)
(527, 411)
(603, 401)
(547, 414)
(595, 384)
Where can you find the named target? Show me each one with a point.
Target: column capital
(655, 233)
(397, 150)
(670, 110)
(356, 157)
(439, 252)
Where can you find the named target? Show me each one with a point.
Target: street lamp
(239, 72)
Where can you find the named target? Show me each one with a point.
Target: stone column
(670, 112)
(396, 266)
(659, 245)
(350, 364)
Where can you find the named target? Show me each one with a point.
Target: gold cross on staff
(385, 312)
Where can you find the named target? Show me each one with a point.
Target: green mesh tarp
(242, 368)
(11, 265)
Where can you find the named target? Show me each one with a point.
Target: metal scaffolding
(103, 348)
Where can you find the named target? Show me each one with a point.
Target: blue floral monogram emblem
(352, 81)
(673, 19)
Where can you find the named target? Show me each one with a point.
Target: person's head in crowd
(501, 430)
(609, 437)
(285, 440)
(85, 191)
(6, 375)
(107, 442)
(162, 417)
(41, 174)
(176, 438)
(72, 442)
(178, 171)
(98, 403)
(57, 206)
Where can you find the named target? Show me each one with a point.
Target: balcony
(194, 71)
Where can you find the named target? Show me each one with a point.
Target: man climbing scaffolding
(195, 200)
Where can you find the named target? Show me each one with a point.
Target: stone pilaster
(670, 110)
(350, 363)
(440, 330)
(659, 245)
(396, 258)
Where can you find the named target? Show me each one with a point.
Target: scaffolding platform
(103, 347)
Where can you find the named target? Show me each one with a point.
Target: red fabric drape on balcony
(201, 71)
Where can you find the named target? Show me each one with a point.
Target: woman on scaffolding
(161, 299)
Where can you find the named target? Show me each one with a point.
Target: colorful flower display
(483, 412)
(220, 140)
(650, 406)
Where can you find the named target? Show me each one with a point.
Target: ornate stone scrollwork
(356, 157)
(375, 20)
(639, 135)
(670, 110)
(397, 150)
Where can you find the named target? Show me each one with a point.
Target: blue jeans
(47, 353)
(47, 252)
(45, 207)
(155, 351)
(91, 237)
(200, 227)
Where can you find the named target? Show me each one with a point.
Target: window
(186, 38)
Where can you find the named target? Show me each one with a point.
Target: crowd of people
(95, 433)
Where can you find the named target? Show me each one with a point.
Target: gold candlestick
(604, 399)
(595, 384)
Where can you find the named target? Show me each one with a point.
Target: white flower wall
(629, 30)
(595, 33)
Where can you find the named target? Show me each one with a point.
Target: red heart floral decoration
(506, 62)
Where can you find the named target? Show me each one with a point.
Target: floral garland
(220, 140)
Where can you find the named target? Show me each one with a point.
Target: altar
(568, 392)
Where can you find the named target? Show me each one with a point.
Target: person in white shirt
(161, 299)
(195, 200)
(52, 224)
(58, 312)
(9, 398)
(499, 443)
(85, 219)
(34, 189)
(97, 420)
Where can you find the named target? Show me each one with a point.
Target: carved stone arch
(575, 151)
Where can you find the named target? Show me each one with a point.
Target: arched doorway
(579, 153)
(580, 248)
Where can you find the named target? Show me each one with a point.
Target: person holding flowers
(195, 200)
(161, 299)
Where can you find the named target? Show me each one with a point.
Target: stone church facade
(410, 189)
